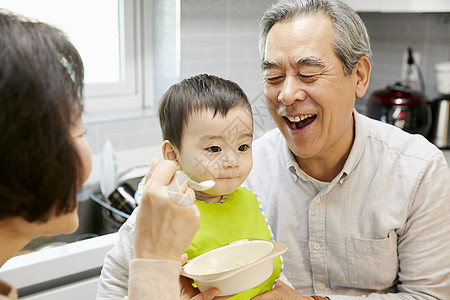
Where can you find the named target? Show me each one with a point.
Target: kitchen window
(115, 39)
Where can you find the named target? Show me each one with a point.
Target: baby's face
(218, 148)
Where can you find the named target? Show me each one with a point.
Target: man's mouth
(299, 122)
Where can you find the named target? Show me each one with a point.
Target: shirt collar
(291, 163)
(357, 147)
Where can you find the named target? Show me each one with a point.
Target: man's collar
(359, 142)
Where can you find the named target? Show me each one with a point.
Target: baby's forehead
(198, 121)
(201, 111)
(195, 114)
(193, 117)
(213, 112)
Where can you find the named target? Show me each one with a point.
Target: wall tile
(221, 37)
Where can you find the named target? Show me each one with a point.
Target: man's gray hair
(350, 38)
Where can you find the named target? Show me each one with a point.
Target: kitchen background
(218, 37)
(221, 37)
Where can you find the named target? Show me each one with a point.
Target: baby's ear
(169, 151)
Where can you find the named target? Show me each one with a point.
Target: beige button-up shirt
(379, 230)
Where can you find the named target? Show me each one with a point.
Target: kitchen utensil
(122, 198)
(200, 186)
(440, 131)
(443, 77)
(187, 198)
(108, 170)
(176, 184)
(236, 267)
(181, 177)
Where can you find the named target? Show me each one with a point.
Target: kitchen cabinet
(85, 289)
(69, 272)
(400, 6)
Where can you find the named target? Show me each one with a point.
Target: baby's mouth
(299, 122)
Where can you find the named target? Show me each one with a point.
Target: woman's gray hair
(350, 39)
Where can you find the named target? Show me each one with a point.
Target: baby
(207, 127)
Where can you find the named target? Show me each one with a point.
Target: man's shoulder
(393, 139)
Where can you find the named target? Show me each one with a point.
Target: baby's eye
(214, 149)
(243, 148)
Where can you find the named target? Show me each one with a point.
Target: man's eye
(214, 149)
(307, 78)
(273, 80)
(243, 148)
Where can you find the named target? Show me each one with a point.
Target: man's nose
(292, 90)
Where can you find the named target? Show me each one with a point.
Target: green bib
(239, 217)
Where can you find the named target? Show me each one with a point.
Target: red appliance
(402, 106)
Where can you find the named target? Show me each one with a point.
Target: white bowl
(234, 268)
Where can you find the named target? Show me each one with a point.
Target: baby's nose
(230, 161)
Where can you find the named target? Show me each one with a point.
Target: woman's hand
(188, 292)
(163, 230)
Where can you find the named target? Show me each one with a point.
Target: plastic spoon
(188, 198)
(201, 186)
(173, 188)
(180, 178)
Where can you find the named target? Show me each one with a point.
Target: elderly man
(363, 206)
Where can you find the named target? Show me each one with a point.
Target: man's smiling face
(307, 92)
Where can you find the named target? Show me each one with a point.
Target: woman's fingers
(164, 171)
(152, 168)
(163, 229)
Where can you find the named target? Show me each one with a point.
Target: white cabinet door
(85, 289)
(364, 5)
(389, 6)
(418, 6)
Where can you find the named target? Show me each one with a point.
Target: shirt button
(316, 246)
(321, 285)
(317, 200)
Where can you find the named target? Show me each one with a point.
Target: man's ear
(362, 70)
(169, 151)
